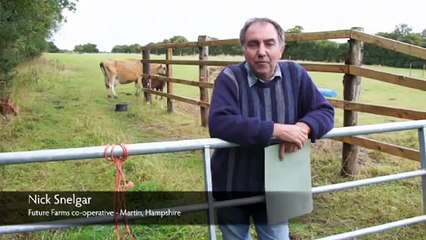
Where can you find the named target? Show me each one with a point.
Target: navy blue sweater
(243, 110)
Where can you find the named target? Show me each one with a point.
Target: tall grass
(64, 105)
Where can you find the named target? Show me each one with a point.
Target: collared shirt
(252, 79)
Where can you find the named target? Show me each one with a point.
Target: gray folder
(288, 184)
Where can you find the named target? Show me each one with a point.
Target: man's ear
(282, 48)
(282, 51)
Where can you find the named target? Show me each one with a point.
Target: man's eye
(252, 44)
(270, 44)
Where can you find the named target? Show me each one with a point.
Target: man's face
(262, 49)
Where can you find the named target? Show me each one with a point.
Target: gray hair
(280, 31)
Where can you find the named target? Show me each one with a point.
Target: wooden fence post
(169, 56)
(351, 92)
(146, 82)
(204, 93)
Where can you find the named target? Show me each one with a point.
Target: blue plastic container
(328, 92)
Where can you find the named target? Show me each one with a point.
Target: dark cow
(157, 85)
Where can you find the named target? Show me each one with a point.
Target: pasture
(63, 104)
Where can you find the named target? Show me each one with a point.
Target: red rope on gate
(120, 188)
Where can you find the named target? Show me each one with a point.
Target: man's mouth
(261, 63)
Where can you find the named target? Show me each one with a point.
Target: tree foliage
(52, 48)
(86, 48)
(134, 48)
(380, 56)
(24, 27)
(329, 51)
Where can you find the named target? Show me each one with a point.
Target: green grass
(64, 105)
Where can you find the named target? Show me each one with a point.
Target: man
(253, 103)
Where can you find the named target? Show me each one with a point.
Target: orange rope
(120, 188)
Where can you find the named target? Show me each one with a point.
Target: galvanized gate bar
(368, 181)
(422, 150)
(86, 153)
(209, 189)
(376, 229)
(181, 145)
(375, 128)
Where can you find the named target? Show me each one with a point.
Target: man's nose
(262, 50)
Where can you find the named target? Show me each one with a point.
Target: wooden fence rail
(392, 149)
(379, 110)
(181, 81)
(391, 44)
(397, 79)
(400, 80)
(179, 98)
(289, 37)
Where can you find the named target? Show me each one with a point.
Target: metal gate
(206, 145)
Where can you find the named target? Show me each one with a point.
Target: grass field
(63, 105)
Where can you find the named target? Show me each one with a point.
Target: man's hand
(286, 147)
(294, 133)
(294, 137)
(304, 126)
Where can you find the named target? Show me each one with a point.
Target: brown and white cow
(127, 71)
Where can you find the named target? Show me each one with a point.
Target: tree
(215, 50)
(295, 29)
(24, 27)
(52, 48)
(135, 48)
(120, 49)
(86, 48)
(402, 31)
(179, 39)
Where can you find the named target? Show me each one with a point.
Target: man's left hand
(287, 147)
